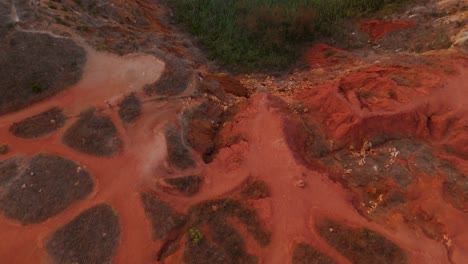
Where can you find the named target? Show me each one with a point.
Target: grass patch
(52, 5)
(257, 35)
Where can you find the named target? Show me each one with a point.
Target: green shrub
(36, 87)
(264, 34)
(195, 235)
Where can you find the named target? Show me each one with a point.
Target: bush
(195, 235)
(264, 34)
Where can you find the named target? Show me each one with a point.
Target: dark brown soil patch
(174, 80)
(178, 154)
(92, 237)
(379, 164)
(162, 216)
(231, 241)
(216, 212)
(400, 174)
(218, 217)
(46, 186)
(8, 170)
(6, 24)
(36, 66)
(93, 134)
(305, 254)
(456, 187)
(188, 185)
(360, 245)
(255, 189)
(130, 108)
(204, 252)
(228, 84)
(39, 125)
(4, 149)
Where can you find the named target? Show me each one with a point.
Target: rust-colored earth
(359, 158)
(377, 29)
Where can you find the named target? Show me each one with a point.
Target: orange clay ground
(154, 157)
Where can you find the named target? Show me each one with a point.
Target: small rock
(300, 183)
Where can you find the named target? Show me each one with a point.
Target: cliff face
(120, 142)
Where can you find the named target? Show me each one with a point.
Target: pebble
(300, 183)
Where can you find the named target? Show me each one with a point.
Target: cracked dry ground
(149, 158)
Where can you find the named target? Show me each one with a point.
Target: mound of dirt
(130, 109)
(178, 154)
(43, 188)
(39, 125)
(174, 80)
(35, 66)
(202, 127)
(305, 254)
(360, 245)
(93, 134)
(92, 237)
(187, 185)
(162, 216)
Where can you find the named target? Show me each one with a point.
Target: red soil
(377, 29)
(322, 55)
(422, 96)
(264, 153)
(392, 99)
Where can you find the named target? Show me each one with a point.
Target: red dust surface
(377, 29)
(420, 97)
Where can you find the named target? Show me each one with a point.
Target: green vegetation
(195, 235)
(265, 34)
(52, 5)
(36, 87)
